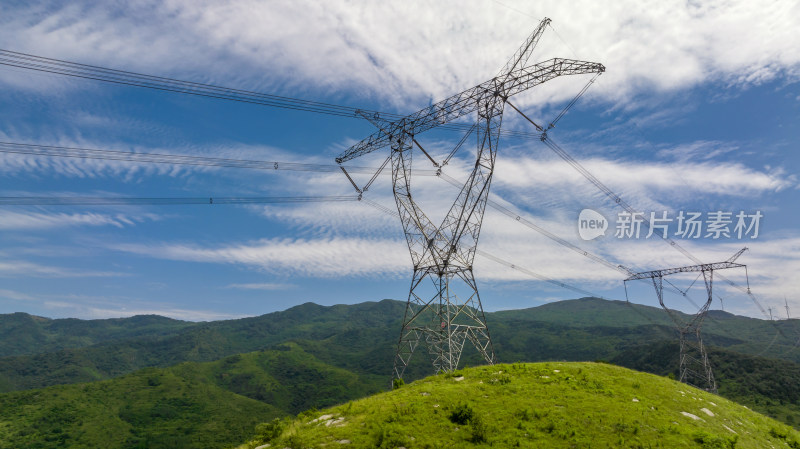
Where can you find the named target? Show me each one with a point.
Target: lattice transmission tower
(694, 368)
(444, 309)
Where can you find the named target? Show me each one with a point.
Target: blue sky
(698, 111)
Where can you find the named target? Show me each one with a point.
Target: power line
(86, 71)
(627, 207)
(177, 159)
(161, 158)
(123, 77)
(499, 260)
(530, 272)
(164, 201)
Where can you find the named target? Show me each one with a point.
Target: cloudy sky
(698, 112)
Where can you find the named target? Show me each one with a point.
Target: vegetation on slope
(359, 341)
(23, 334)
(769, 386)
(553, 405)
(189, 405)
(201, 342)
(584, 329)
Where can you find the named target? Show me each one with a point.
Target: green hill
(352, 346)
(361, 337)
(189, 405)
(770, 386)
(22, 334)
(316, 357)
(553, 405)
(198, 342)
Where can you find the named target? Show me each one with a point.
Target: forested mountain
(156, 382)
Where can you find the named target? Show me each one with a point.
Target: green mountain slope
(22, 334)
(769, 386)
(199, 343)
(584, 329)
(189, 405)
(777, 339)
(552, 405)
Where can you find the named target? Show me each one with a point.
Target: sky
(697, 113)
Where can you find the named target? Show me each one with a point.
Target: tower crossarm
(469, 101)
(687, 269)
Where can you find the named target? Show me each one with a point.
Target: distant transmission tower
(695, 369)
(444, 309)
(786, 302)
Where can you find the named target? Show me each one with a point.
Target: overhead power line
(174, 159)
(627, 207)
(78, 70)
(91, 72)
(128, 201)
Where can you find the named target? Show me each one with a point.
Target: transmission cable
(91, 72)
(164, 201)
(531, 273)
(176, 159)
(627, 207)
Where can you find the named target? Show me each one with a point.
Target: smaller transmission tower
(786, 302)
(695, 369)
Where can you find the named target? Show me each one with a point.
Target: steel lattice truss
(444, 309)
(695, 368)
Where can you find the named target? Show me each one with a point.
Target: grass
(553, 405)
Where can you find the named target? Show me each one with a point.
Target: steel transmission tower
(444, 309)
(695, 369)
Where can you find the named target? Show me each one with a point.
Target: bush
(708, 440)
(397, 383)
(462, 414)
(479, 429)
(268, 431)
(390, 436)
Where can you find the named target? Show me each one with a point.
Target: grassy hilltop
(536, 405)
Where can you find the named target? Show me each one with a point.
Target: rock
(340, 442)
(731, 430)
(321, 418)
(334, 422)
(458, 379)
(707, 411)
(635, 400)
(689, 415)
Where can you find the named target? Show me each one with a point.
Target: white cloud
(387, 50)
(15, 295)
(18, 268)
(408, 53)
(261, 286)
(10, 220)
(332, 257)
(656, 178)
(75, 307)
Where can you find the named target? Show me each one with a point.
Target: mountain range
(150, 381)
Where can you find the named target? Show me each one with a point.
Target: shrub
(708, 440)
(390, 436)
(479, 429)
(462, 414)
(268, 431)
